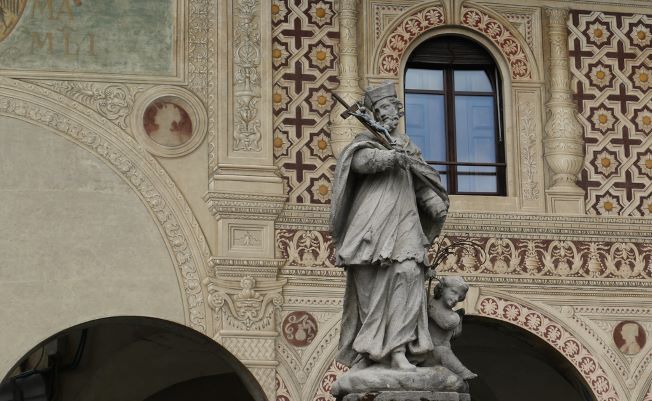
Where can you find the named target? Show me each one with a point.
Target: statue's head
(451, 290)
(382, 101)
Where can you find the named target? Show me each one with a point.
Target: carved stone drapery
(342, 131)
(563, 143)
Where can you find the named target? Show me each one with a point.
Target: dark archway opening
(130, 359)
(514, 364)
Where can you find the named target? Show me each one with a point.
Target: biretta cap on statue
(373, 95)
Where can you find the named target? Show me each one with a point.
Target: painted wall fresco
(304, 60)
(109, 36)
(499, 256)
(611, 63)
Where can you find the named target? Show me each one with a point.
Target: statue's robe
(383, 219)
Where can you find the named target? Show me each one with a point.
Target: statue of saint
(388, 205)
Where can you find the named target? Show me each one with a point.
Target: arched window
(452, 112)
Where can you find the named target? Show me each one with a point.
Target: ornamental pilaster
(343, 130)
(564, 146)
(245, 193)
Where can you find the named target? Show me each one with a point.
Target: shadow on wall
(515, 365)
(130, 359)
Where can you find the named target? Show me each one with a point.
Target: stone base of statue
(386, 382)
(408, 396)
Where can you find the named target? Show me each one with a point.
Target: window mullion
(449, 102)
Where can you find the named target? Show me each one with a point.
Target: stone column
(343, 131)
(564, 146)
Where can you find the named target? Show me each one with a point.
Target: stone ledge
(408, 396)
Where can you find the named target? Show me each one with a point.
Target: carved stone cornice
(249, 206)
(308, 216)
(235, 268)
(532, 225)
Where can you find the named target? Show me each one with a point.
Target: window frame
(449, 94)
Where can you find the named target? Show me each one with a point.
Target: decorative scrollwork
(503, 37)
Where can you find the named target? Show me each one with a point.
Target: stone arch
(171, 213)
(496, 34)
(555, 333)
(130, 357)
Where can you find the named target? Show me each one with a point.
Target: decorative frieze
(527, 258)
(305, 248)
(502, 36)
(112, 100)
(400, 38)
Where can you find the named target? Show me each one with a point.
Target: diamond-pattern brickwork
(611, 63)
(304, 55)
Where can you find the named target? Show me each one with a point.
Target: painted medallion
(300, 328)
(167, 123)
(629, 337)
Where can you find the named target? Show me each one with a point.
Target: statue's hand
(402, 159)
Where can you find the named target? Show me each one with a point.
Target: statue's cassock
(383, 218)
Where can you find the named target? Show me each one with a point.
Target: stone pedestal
(380, 380)
(408, 396)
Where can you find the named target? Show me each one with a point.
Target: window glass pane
(477, 179)
(444, 179)
(477, 183)
(475, 129)
(472, 81)
(416, 78)
(425, 124)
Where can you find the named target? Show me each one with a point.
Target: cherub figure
(445, 323)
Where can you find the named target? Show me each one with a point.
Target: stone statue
(388, 205)
(445, 323)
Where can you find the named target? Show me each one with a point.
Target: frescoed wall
(207, 132)
(102, 37)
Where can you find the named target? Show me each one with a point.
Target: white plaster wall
(76, 243)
